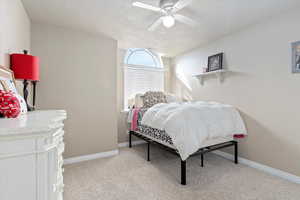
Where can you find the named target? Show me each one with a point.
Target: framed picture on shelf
(7, 81)
(215, 62)
(296, 57)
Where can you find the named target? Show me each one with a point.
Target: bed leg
(148, 152)
(130, 144)
(236, 158)
(183, 172)
(202, 160)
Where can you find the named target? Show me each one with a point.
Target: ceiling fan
(168, 13)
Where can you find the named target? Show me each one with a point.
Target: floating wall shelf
(217, 73)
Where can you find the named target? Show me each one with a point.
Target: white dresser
(31, 161)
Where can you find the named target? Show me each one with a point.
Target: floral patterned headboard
(151, 98)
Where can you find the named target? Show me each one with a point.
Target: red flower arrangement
(9, 104)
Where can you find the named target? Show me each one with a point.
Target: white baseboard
(90, 157)
(265, 168)
(134, 143)
(100, 155)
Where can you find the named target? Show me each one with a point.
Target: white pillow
(138, 100)
(172, 98)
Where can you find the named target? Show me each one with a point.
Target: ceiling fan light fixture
(168, 21)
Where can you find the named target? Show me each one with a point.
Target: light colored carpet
(130, 176)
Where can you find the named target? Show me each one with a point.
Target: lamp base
(25, 93)
(30, 108)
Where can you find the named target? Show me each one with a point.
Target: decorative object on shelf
(7, 83)
(9, 104)
(296, 57)
(26, 68)
(215, 62)
(217, 73)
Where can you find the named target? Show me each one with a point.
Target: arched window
(143, 72)
(142, 57)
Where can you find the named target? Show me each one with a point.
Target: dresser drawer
(11, 148)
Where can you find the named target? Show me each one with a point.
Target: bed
(163, 139)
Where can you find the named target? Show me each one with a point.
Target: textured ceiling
(127, 24)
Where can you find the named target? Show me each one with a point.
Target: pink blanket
(239, 136)
(134, 123)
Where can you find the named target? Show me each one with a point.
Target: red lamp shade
(25, 67)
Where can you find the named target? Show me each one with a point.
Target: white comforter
(190, 124)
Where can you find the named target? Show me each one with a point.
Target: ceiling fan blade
(155, 25)
(185, 20)
(146, 6)
(181, 4)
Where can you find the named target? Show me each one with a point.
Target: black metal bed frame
(201, 151)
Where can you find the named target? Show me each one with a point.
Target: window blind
(140, 79)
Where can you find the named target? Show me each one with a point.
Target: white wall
(261, 86)
(79, 74)
(14, 31)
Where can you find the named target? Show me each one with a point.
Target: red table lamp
(26, 68)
